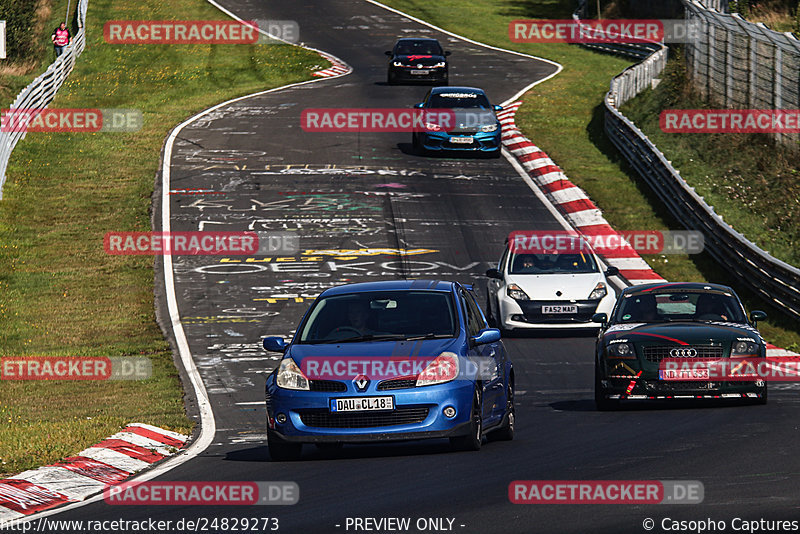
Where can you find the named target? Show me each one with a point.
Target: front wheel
(763, 398)
(419, 150)
(602, 403)
(506, 432)
(472, 441)
(489, 313)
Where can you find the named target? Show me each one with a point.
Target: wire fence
(42, 90)
(740, 64)
(774, 280)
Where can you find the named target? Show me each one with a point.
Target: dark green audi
(676, 322)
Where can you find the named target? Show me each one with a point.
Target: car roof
(678, 286)
(390, 285)
(416, 39)
(456, 89)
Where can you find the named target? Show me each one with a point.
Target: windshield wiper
(367, 337)
(429, 336)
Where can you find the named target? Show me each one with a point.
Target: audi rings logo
(683, 353)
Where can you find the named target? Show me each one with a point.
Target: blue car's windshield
(418, 48)
(380, 315)
(458, 99)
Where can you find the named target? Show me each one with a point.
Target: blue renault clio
(390, 360)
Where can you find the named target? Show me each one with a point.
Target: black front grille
(323, 418)
(327, 385)
(397, 383)
(656, 353)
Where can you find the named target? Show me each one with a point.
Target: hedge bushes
(19, 15)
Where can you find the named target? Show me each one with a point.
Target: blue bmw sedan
(386, 361)
(472, 123)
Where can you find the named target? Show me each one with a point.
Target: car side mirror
(388, 53)
(757, 315)
(488, 335)
(612, 271)
(601, 318)
(447, 53)
(275, 344)
(494, 273)
(419, 106)
(498, 108)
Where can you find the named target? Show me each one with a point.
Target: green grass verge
(751, 180)
(60, 294)
(564, 116)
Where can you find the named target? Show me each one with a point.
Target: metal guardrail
(42, 90)
(774, 280)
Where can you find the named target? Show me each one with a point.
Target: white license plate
(461, 140)
(683, 374)
(362, 404)
(420, 72)
(559, 309)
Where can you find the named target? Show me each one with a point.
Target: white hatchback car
(548, 290)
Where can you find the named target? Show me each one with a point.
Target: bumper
(418, 414)
(651, 389)
(400, 74)
(527, 314)
(481, 142)
(457, 431)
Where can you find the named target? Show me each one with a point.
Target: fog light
(517, 317)
(449, 412)
(281, 418)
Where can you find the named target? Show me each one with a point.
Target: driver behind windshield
(358, 313)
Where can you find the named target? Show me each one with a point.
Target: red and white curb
(75, 479)
(569, 199)
(337, 68)
(777, 352)
(576, 206)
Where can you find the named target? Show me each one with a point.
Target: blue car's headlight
(443, 369)
(291, 377)
(489, 128)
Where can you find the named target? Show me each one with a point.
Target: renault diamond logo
(683, 353)
(361, 382)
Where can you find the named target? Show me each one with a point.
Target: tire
(472, 441)
(282, 451)
(601, 402)
(390, 79)
(489, 314)
(419, 150)
(506, 432)
(763, 399)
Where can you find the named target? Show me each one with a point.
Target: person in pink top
(60, 38)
